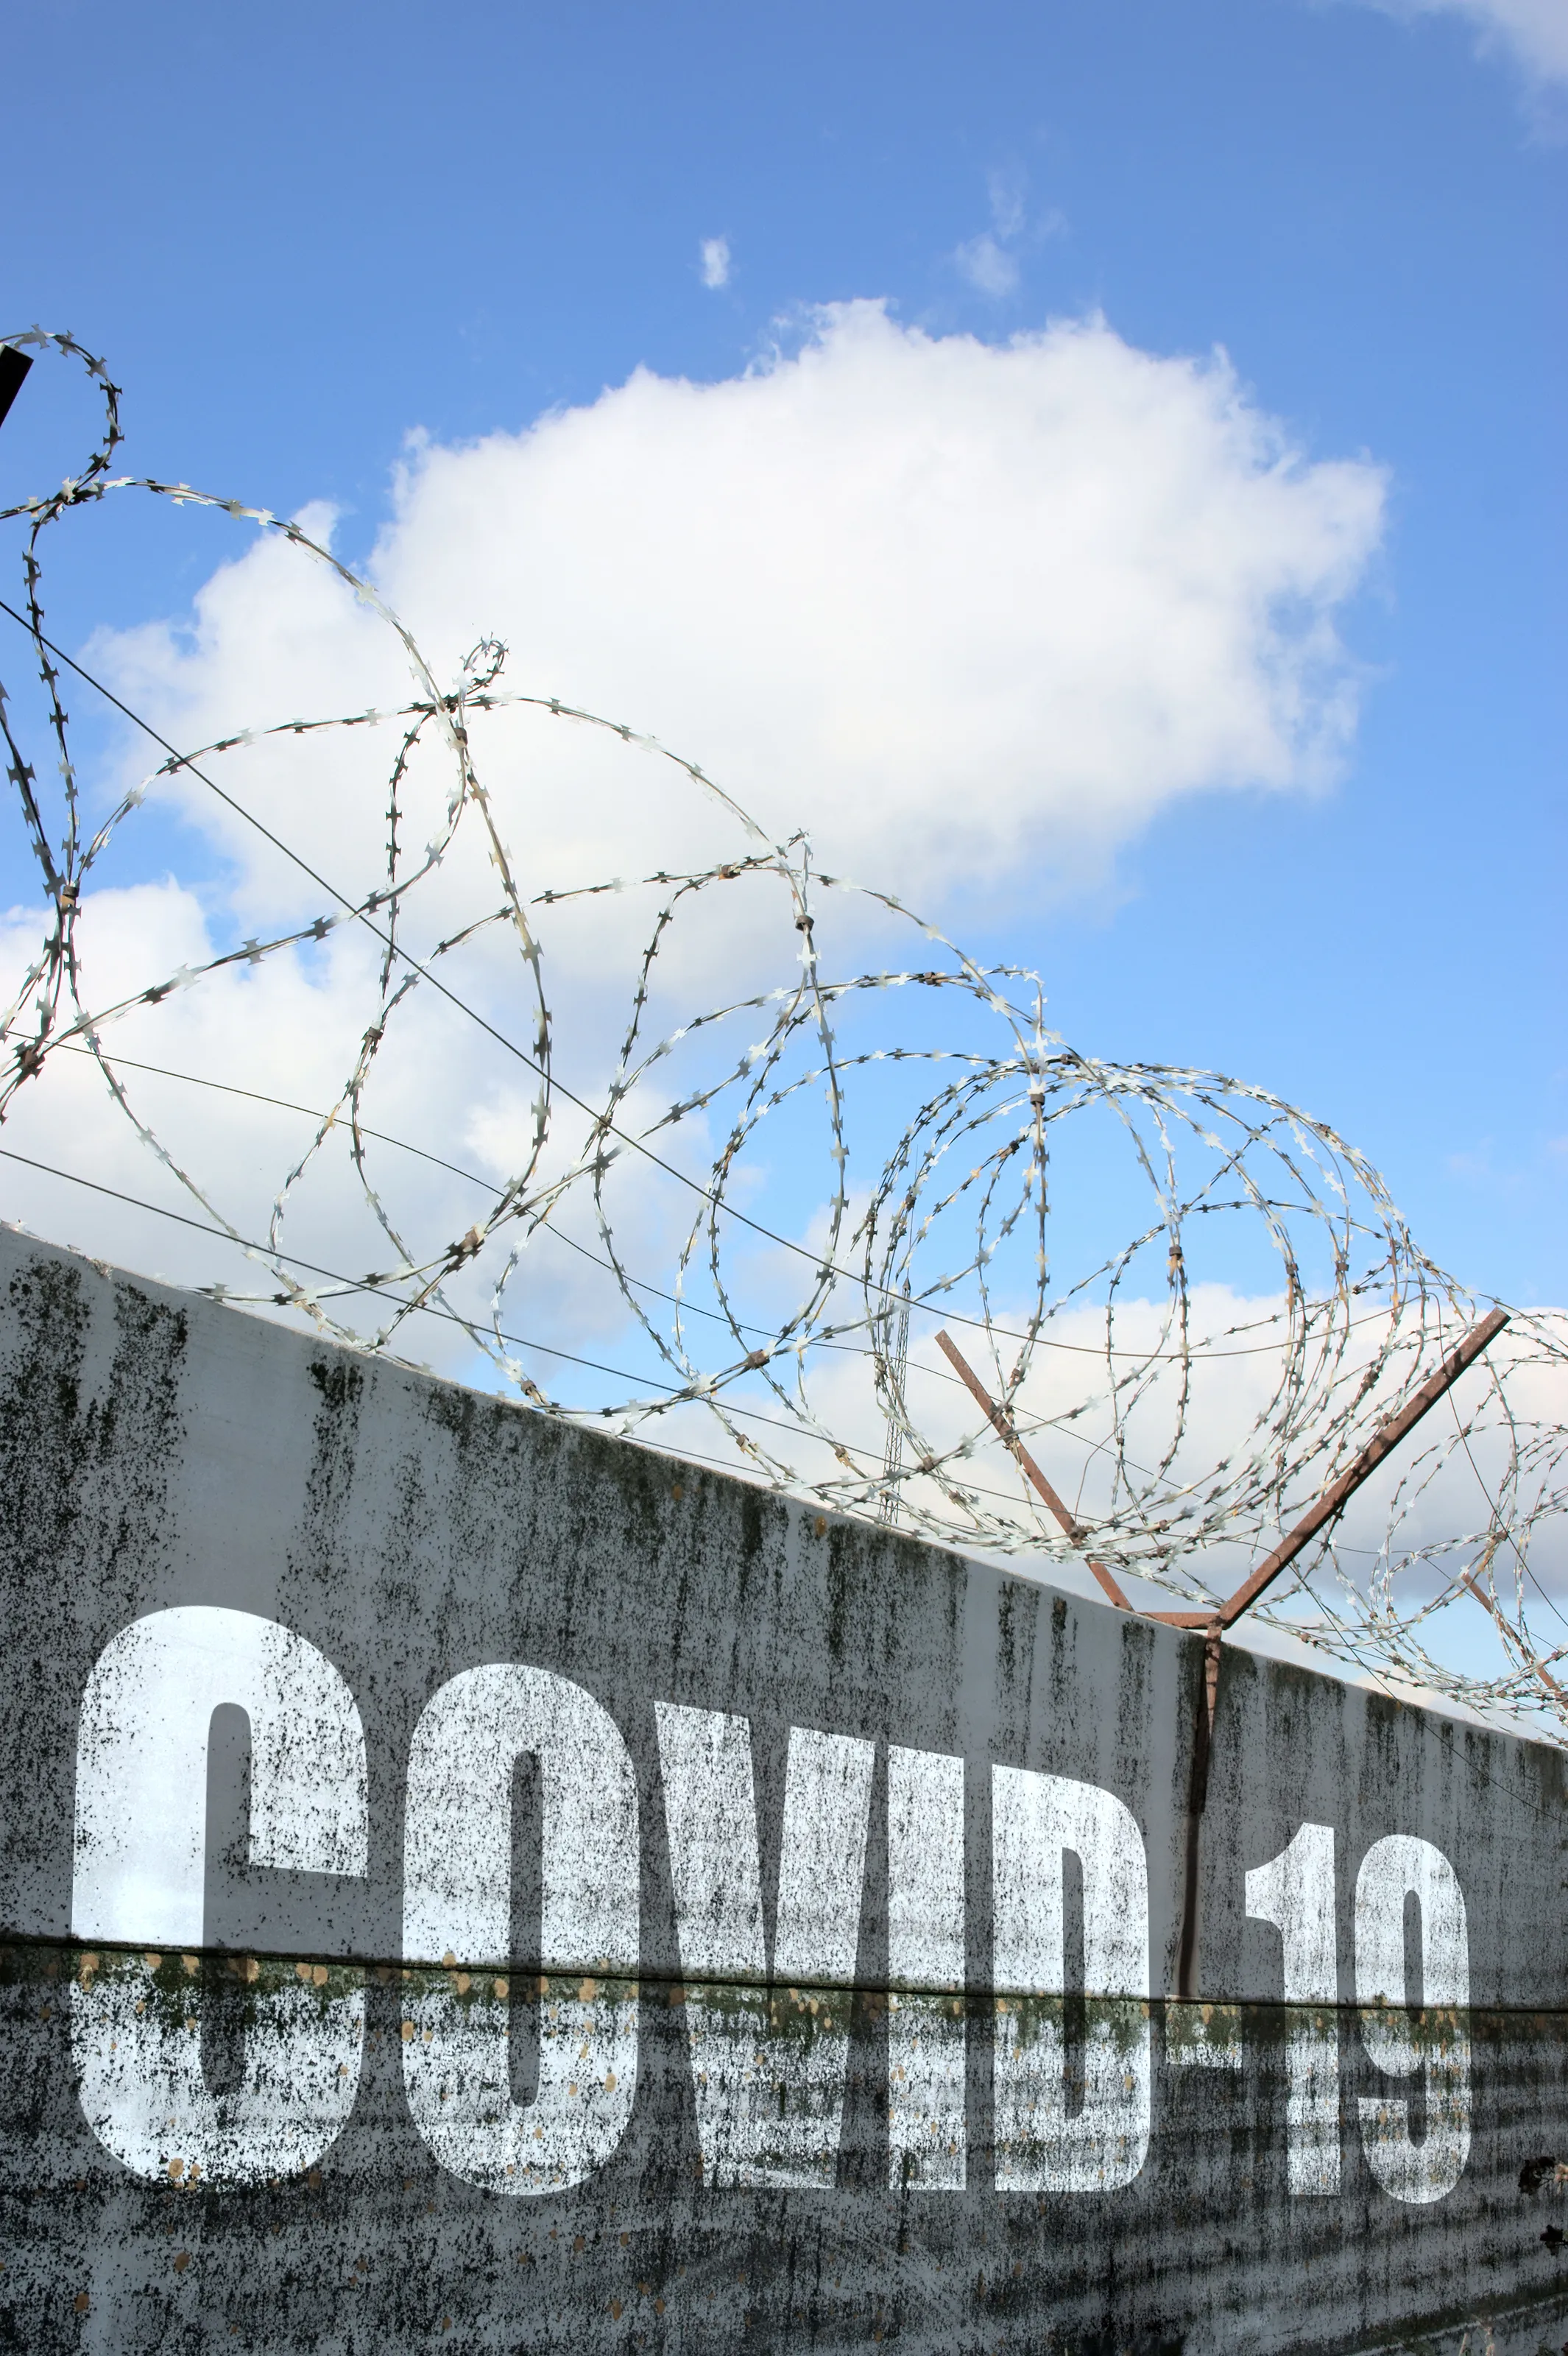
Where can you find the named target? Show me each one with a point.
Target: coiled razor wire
(1078, 1225)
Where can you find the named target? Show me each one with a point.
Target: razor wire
(1080, 1225)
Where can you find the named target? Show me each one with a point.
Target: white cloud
(990, 261)
(715, 261)
(987, 265)
(1534, 33)
(984, 260)
(951, 605)
(972, 613)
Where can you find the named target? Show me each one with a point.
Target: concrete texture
(468, 1882)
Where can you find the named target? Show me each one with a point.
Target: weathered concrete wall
(403, 1800)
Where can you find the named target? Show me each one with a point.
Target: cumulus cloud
(715, 261)
(952, 606)
(972, 614)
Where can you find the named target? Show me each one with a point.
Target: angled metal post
(1386, 1437)
(1005, 1431)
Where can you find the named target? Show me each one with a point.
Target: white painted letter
(1440, 2046)
(927, 2139)
(1040, 2148)
(457, 1903)
(141, 1847)
(1295, 1893)
(768, 2061)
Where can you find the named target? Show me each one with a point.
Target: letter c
(140, 1866)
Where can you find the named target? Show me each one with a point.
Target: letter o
(457, 1884)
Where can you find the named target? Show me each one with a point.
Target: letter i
(926, 2143)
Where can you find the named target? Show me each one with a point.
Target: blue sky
(303, 235)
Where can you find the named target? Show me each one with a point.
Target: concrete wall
(404, 1801)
